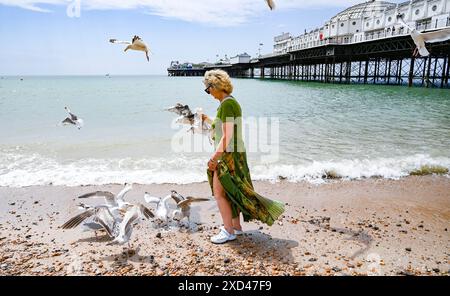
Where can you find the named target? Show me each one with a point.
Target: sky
(70, 37)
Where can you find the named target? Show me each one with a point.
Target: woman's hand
(206, 119)
(212, 165)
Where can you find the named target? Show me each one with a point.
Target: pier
(363, 44)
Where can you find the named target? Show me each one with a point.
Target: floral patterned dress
(233, 172)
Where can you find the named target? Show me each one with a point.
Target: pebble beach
(359, 227)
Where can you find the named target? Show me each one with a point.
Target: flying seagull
(428, 37)
(162, 206)
(187, 117)
(136, 44)
(200, 126)
(271, 4)
(180, 109)
(184, 205)
(73, 119)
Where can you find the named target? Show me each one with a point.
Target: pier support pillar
(411, 72)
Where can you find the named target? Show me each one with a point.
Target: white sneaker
(222, 237)
(238, 232)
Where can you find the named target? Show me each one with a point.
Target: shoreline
(344, 227)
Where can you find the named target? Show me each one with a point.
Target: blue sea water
(354, 131)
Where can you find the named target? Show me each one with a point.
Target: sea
(293, 131)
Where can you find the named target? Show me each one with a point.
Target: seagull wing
(115, 41)
(144, 211)
(186, 111)
(131, 216)
(151, 199)
(105, 219)
(436, 36)
(402, 22)
(174, 110)
(75, 221)
(68, 121)
(73, 116)
(190, 200)
(271, 4)
(122, 193)
(109, 197)
(177, 197)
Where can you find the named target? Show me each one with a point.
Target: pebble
(408, 249)
(226, 260)
(158, 235)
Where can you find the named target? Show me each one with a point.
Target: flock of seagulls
(192, 119)
(117, 217)
(420, 38)
(182, 211)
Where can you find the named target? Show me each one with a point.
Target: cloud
(212, 12)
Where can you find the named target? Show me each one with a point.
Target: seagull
(200, 126)
(184, 205)
(100, 215)
(428, 37)
(162, 207)
(117, 228)
(133, 215)
(187, 117)
(136, 44)
(73, 119)
(271, 4)
(115, 203)
(180, 109)
(89, 224)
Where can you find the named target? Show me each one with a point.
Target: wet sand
(367, 227)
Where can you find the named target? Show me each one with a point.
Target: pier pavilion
(362, 44)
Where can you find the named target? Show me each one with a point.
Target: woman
(228, 172)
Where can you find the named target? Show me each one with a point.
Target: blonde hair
(219, 79)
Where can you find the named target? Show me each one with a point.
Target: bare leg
(237, 222)
(223, 204)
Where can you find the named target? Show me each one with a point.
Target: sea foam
(20, 170)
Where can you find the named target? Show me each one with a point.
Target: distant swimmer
(136, 44)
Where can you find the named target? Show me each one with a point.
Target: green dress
(233, 171)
